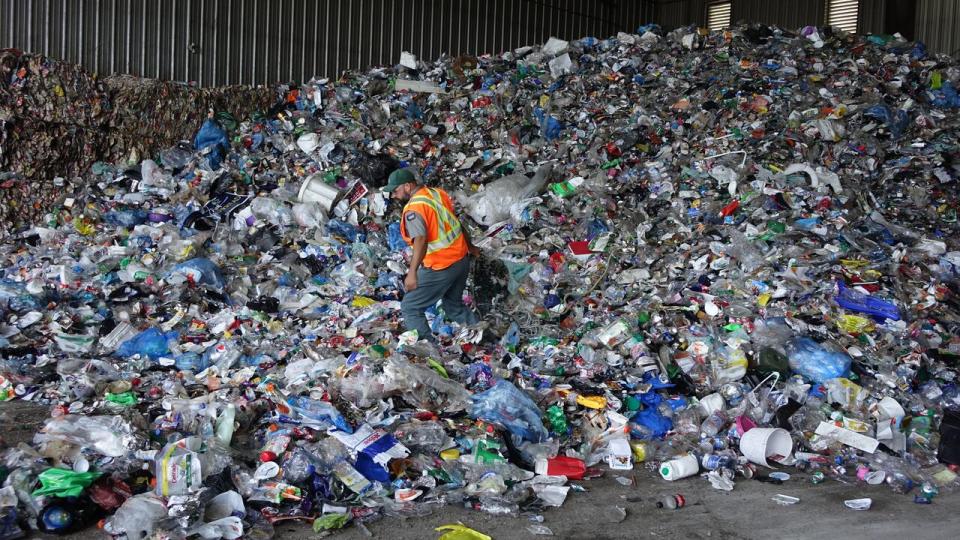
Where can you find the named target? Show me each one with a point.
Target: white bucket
(680, 467)
(760, 443)
(314, 189)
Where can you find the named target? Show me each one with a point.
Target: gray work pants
(433, 285)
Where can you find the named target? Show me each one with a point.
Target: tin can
(747, 470)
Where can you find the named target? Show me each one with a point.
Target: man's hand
(473, 250)
(410, 282)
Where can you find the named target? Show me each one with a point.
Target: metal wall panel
(871, 16)
(671, 14)
(217, 42)
(937, 25)
(791, 15)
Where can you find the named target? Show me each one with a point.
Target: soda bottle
(672, 502)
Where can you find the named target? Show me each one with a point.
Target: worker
(442, 253)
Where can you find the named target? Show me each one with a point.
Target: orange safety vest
(445, 241)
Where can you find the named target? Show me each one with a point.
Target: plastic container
(758, 444)
(572, 468)
(314, 189)
(681, 467)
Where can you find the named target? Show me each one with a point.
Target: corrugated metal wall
(673, 13)
(937, 21)
(871, 16)
(938, 25)
(790, 14)
(215, 42)
(783, 13)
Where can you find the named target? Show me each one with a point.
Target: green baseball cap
(398, 178)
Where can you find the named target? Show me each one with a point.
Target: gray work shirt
(414, 224)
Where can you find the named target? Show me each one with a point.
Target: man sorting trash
(441, 253)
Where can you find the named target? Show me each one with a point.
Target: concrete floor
(746, 512)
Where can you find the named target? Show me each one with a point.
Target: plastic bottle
(225, 424)
(497, 506)
(712, 462)
(714, 423)
(672, 502)
(681, 467)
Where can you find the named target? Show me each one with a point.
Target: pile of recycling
(703, 253)
(56, 120)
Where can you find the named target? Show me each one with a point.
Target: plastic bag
(212, 139)
(862, 303)
(107, 435)
(64, 482)
(729, 365)
(318, 414)
(422, 387)
(460, 532)
(649, 423)
(308, 215)
(137, 517)
(201, 271)
(492, 204)
(505, 405)
(151, 343)
(373, 169)
(816, 362)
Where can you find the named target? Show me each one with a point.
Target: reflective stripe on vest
(448, 226)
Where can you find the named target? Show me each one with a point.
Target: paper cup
(758, 444)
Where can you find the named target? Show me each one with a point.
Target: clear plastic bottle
(714, 423)
(225, 424)
(497, 506)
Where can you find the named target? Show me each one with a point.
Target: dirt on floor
(746, 512)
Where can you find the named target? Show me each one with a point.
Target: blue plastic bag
(946, 97)
(395, 240)
(212, 136)
(650, 424)
(345, 230)
(511, 339)
(191, 362)
(125, 218)
(897, 121)
(550, 127)
(151, 343)
(202, 271)
(814, 361)
(318, 414)
(505, 405)
(854, 300)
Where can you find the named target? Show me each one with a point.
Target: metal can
(929, 490)
(817, 477)
(747, 470)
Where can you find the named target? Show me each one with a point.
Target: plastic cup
(758, 444)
